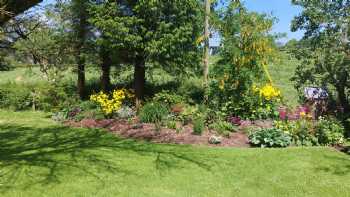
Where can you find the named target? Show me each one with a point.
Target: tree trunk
(80, 28)
(206, 45)
(343, 98)
(139, 80)
(81, 77)
(106, 70)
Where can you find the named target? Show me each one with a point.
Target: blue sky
(283, 10)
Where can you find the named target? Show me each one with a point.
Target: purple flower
(235, 120)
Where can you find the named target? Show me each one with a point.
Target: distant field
(281, 74)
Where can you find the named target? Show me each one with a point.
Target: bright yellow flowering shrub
(269, 92)
(111, 103)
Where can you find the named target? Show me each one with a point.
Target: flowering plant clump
(111, 103)
(267, 92)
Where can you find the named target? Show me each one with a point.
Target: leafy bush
(223, 128)
(153, 112)
(168, 98)
(305, 132)
(111, 103)
(15, 97)
(198, 126)
(301, 131)
(171, 124)
(270, 138)
(329, 132)
(189, 113)
(192, 89)
(52, 98)
(38, 96)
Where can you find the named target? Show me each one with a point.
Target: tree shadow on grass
(30, 156)
(340, 166)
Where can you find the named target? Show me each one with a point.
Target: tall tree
(12, 8)
(157, 33)
(80, 27)
(106, 62)
(326, 25)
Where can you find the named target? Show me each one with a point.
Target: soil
(148, 132)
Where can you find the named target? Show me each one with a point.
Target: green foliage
(145, 30)
(270, 138)
(192, 89)
(49, 50)
(329, 132)
(191, 113)
(306, 132)
(35, 96)
(223, 128)
(168, 98)
(302, 131)
(247, 49)
(15, 97)
(153, 112)
(325, 50)
(171, 124)
(198, 126)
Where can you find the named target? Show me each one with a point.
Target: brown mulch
(342, 148)
(148, 132)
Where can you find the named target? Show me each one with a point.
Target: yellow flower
(111, 103)
(222, 85)
(269, 92)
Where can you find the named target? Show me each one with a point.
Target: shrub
(15, 97)
(192, 89)
(168, 98)
(110, 104)
(188, 114)
(39, 96)
(153, 112)
(301, 131)
(52, 98)
(198, 126)
(329, 132)
(223, 128)
(270, 138)
(171, 124)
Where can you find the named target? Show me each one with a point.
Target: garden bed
(148, 132)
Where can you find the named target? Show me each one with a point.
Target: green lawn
(281, 72)
(41, 158)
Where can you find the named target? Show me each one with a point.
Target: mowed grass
(281, 72)
(33, 75)
(39, 157)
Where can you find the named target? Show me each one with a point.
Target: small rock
(215, 139)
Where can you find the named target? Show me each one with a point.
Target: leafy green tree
(247, 49)
(11, 8)
(150, 33)
(80, 31)
(326, 47)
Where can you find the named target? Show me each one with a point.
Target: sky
(282, 9)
